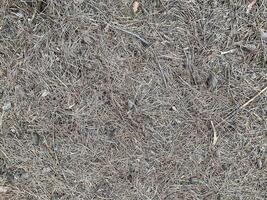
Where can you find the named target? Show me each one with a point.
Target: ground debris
(212, 81)
(250, 6)
(3, 189)
(7, 106)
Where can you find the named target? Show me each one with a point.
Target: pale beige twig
(235, 111)
(215, 136)
(253, 98)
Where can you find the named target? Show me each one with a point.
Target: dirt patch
(100, 100)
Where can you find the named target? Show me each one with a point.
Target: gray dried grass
(69, 72)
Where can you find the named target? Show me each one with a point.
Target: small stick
(253, 98)
(215, 136)
(160, 68)
(232, 113)
(143, 41)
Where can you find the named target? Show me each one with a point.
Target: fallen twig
(215, 136)
(235, 111)
(160, 69)
(253, 98)
(143, 41)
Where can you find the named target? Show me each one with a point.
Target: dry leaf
(136, 5)
(250, 5)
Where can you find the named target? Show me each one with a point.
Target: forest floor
(160, 100)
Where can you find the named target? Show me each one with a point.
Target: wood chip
(136, 5)
(250, 5)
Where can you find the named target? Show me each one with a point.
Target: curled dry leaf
(250, 5)
(136, 5)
